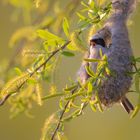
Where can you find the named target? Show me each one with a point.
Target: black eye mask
(98, 41)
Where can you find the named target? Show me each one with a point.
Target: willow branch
(2, 101)
(62, 114)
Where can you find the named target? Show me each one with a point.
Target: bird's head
(97, 41)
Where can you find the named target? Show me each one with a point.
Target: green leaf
(98, 103)
(85, 24)
(85, 5)
(66, 27)
(72, 116)
(70, 88)
(135, 112)
(101, 53)
(90, 88)
(92, 105)
(137, 59)
(137, 83)
(61, 103)
(92, 4)
(52, 96)
(90, 71)
(104, 58)
(74, 95)
(71, 47)
(31, 81)
(107, 70)
(18, 71)
(92, 60)
(46, 35)
(60, 135)
(67, 119)
(100, 107)
(67, 53)
(81, 16)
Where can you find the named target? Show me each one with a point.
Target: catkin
(76, 42)
(13, 85)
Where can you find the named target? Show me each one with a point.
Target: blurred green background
(113, 124)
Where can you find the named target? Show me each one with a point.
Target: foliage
(40, 44)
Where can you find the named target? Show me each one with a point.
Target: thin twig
(61, 117)
(31, 74)
(4, 99)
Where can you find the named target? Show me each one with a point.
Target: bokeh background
(112, 124)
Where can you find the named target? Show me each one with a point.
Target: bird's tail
(126, 104)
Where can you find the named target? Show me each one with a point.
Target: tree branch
(62, 114)
(2, 101)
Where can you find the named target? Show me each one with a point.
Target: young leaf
(74, 95)
(71, 47)
(137, 83)
(92, 60)
(70, 88)
(67, 53)
(81, 16)
(100, 107)
(18, 71)
(52, 96)
(85, 5)
(90, 88)
(61, 136)
(98, 103)
(90, 71)
(66, 27)
(61, 103)
(46, 35)
(101, 53)
(137, 59)
(72, 116)
(135, 112)
(107, 70)
(31, 81)
(93, 107)
(91, 4)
